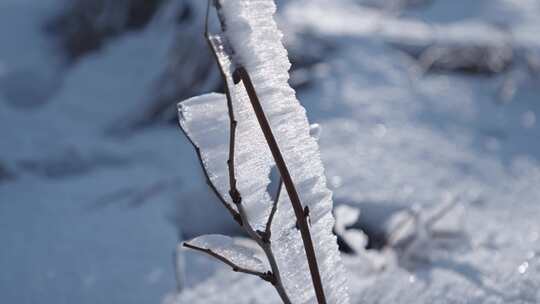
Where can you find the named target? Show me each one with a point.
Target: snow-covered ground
(91, 210)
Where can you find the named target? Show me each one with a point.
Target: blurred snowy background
(430, 116)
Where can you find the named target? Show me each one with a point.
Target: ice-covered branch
(273, 276)
(267, 276)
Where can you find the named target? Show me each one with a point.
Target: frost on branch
(252, 41)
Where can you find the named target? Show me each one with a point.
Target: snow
(394, 135)
(256, 41)
(28, 65)
(85, 212)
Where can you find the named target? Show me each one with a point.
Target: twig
(240, 74)
(268, 230)
(417, 216)
(267, 276)
(393, 235)
(233, 192)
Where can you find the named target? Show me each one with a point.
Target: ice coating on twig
(256, 40)
(232, 250)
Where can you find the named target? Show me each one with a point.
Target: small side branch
(267, 276)
(268, 229)
(230, 209)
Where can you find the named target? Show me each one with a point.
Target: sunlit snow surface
(391, 137)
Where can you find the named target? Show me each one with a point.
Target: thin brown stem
(267, 276)
(233, 192)
(240, 74)
(268, 230)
